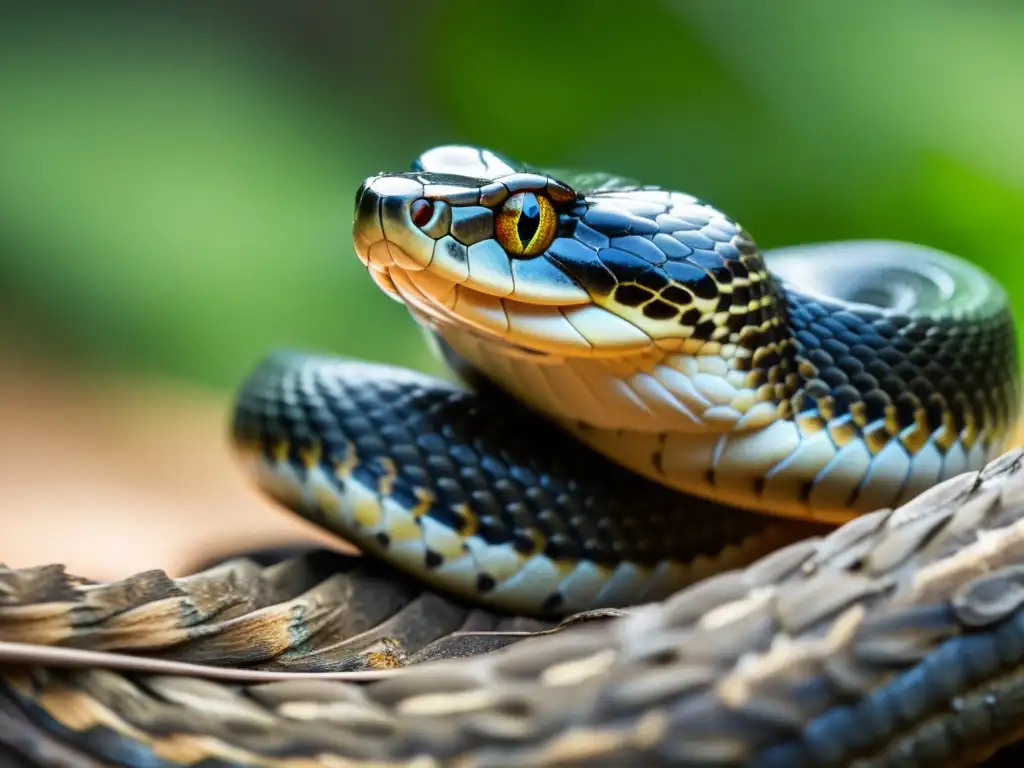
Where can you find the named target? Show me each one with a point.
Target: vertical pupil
(529, 218)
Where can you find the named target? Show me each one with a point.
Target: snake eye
(526, 224)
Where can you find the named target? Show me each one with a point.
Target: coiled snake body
(652, 402)
(647, 325)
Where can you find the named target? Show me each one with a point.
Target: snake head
(573, 265)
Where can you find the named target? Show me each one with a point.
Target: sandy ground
(113, 478)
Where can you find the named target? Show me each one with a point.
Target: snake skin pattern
(653, 328)
(476, 495)
(776, 399)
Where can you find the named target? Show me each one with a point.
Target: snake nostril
(421, 212)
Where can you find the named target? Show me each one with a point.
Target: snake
(743, 491)
(765, 394)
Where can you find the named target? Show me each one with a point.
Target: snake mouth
(575, 330)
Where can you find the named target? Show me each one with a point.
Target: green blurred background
(176, 180)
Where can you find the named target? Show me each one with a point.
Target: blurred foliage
(176, 182)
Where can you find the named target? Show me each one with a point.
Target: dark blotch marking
(768, 359)
(485, 582)
(560, 547)
(805, 492)
(433, 559)
(936, 410)
(660, 310)
(704, 330)
(455, 250)
(383, 539)
(676, 295)
(632, 295)
(705, 287)
(523, 542)
(906, 408)
(490, 529)
(653, 278)
(891, 385)
(447, 516)
(845, 396)
(553, 602)
(753, 338)
(736, 323)
(690, 317)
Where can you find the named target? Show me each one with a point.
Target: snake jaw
(382, 278)
(579, 331)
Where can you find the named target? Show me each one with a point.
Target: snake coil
(656, 401)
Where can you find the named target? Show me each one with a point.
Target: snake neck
(658, 390)
(827, 413)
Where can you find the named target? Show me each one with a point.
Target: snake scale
(683, 503)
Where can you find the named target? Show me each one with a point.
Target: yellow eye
(526, 224)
